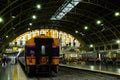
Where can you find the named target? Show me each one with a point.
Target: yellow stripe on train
(55, 60)
(30, 60)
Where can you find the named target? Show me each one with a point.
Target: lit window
(43, 49)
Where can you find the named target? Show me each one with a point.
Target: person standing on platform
(4, 59)
(114, 60)
(106, 60)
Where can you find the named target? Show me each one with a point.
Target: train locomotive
(41, 55)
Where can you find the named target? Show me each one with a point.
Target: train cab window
(42, 49)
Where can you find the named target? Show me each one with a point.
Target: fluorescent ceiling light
(34, 16)
(30, 24)
(38, 6)
(1, 20)
(66, 7)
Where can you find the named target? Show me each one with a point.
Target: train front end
(42, 55)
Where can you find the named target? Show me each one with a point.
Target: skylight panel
(62, 14)
(74, 2)
(64, 9)
(67, 9)
(58, 17)
(70, 6)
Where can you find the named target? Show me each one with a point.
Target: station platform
(112, 70)
(12, 72)
(15, 72)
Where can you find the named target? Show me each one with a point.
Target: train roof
(31, 42)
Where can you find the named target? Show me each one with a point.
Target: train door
(43, 54)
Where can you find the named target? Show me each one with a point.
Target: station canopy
(93, 21)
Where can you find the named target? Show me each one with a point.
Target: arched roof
(16, 15)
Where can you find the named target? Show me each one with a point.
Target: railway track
(71, 74)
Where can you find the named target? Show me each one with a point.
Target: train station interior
(67, 39)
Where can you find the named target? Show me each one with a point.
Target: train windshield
(43, 46)
(42, 49)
